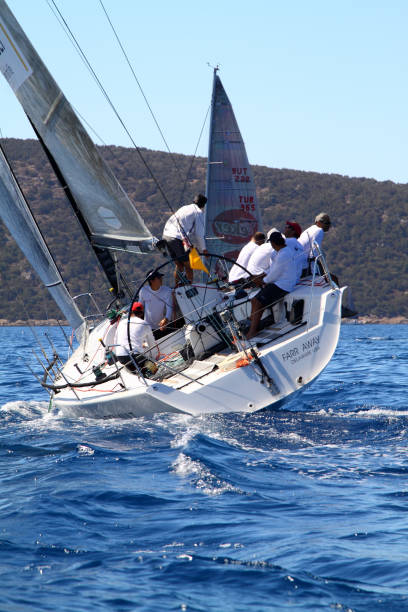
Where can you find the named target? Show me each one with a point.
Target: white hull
(291, 355)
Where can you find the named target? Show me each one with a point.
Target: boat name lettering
(290, 354)
(311, 343)
(296, 353)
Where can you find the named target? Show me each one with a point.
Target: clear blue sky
(318, 85)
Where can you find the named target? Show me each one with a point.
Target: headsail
(18, 219)
(108, 216)
(232, 211)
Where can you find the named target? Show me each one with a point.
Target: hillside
(366, 247)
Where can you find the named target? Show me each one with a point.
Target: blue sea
(302, 508)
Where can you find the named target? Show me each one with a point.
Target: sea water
(303, 508)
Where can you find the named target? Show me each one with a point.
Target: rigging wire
(89, 126)
(194, 156)
(152, 114)
(106, 95)
(140, 87)
(60, 18)
(79, 54)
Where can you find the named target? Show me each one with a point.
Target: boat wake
(24, 411)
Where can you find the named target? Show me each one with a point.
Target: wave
(201, 477)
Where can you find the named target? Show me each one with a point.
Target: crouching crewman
(141, 340)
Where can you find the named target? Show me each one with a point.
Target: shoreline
(374, 319)
(361, 320)
(32, 322)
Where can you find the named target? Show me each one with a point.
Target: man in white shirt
(292, 232)
(157, 300)
(261, 259)
(280, 280)
(142, 342)
(185, 228)
(312, 234)
(236, 273)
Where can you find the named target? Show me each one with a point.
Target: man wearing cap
(292, 232)
(157, 300)
(280, 280)
(185, 228)
(313, 234)
(141, 340)
(236, 273)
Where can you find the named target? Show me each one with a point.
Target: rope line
(139, 85)
(107, 98)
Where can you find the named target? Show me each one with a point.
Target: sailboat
(204, 365)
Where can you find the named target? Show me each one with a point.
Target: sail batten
(111, 218)
(232, 212)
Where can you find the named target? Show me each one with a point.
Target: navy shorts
(176, 249)
(270, 294)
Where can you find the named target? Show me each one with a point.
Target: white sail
(106, 213)
(18, 219)
(232, 212)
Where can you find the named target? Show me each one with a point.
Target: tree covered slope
(366, 246)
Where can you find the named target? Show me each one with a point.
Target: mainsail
(18, 219)
(110, 220)
(232, 212)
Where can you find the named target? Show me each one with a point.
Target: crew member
(280, 280)
(261, 259)
(292, 232)
(313, 234)
(236, 273)
(141, 340)
(157, 300)
(185, 228)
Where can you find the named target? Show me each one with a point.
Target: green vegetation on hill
(366, 247)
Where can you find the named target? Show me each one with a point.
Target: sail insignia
(13, 64)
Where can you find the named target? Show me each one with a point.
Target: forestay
(110, 218)
(232, 212)
(19, 221)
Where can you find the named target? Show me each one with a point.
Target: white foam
(378, 411)
(84, 450)
(205, 481)
(25, 410)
